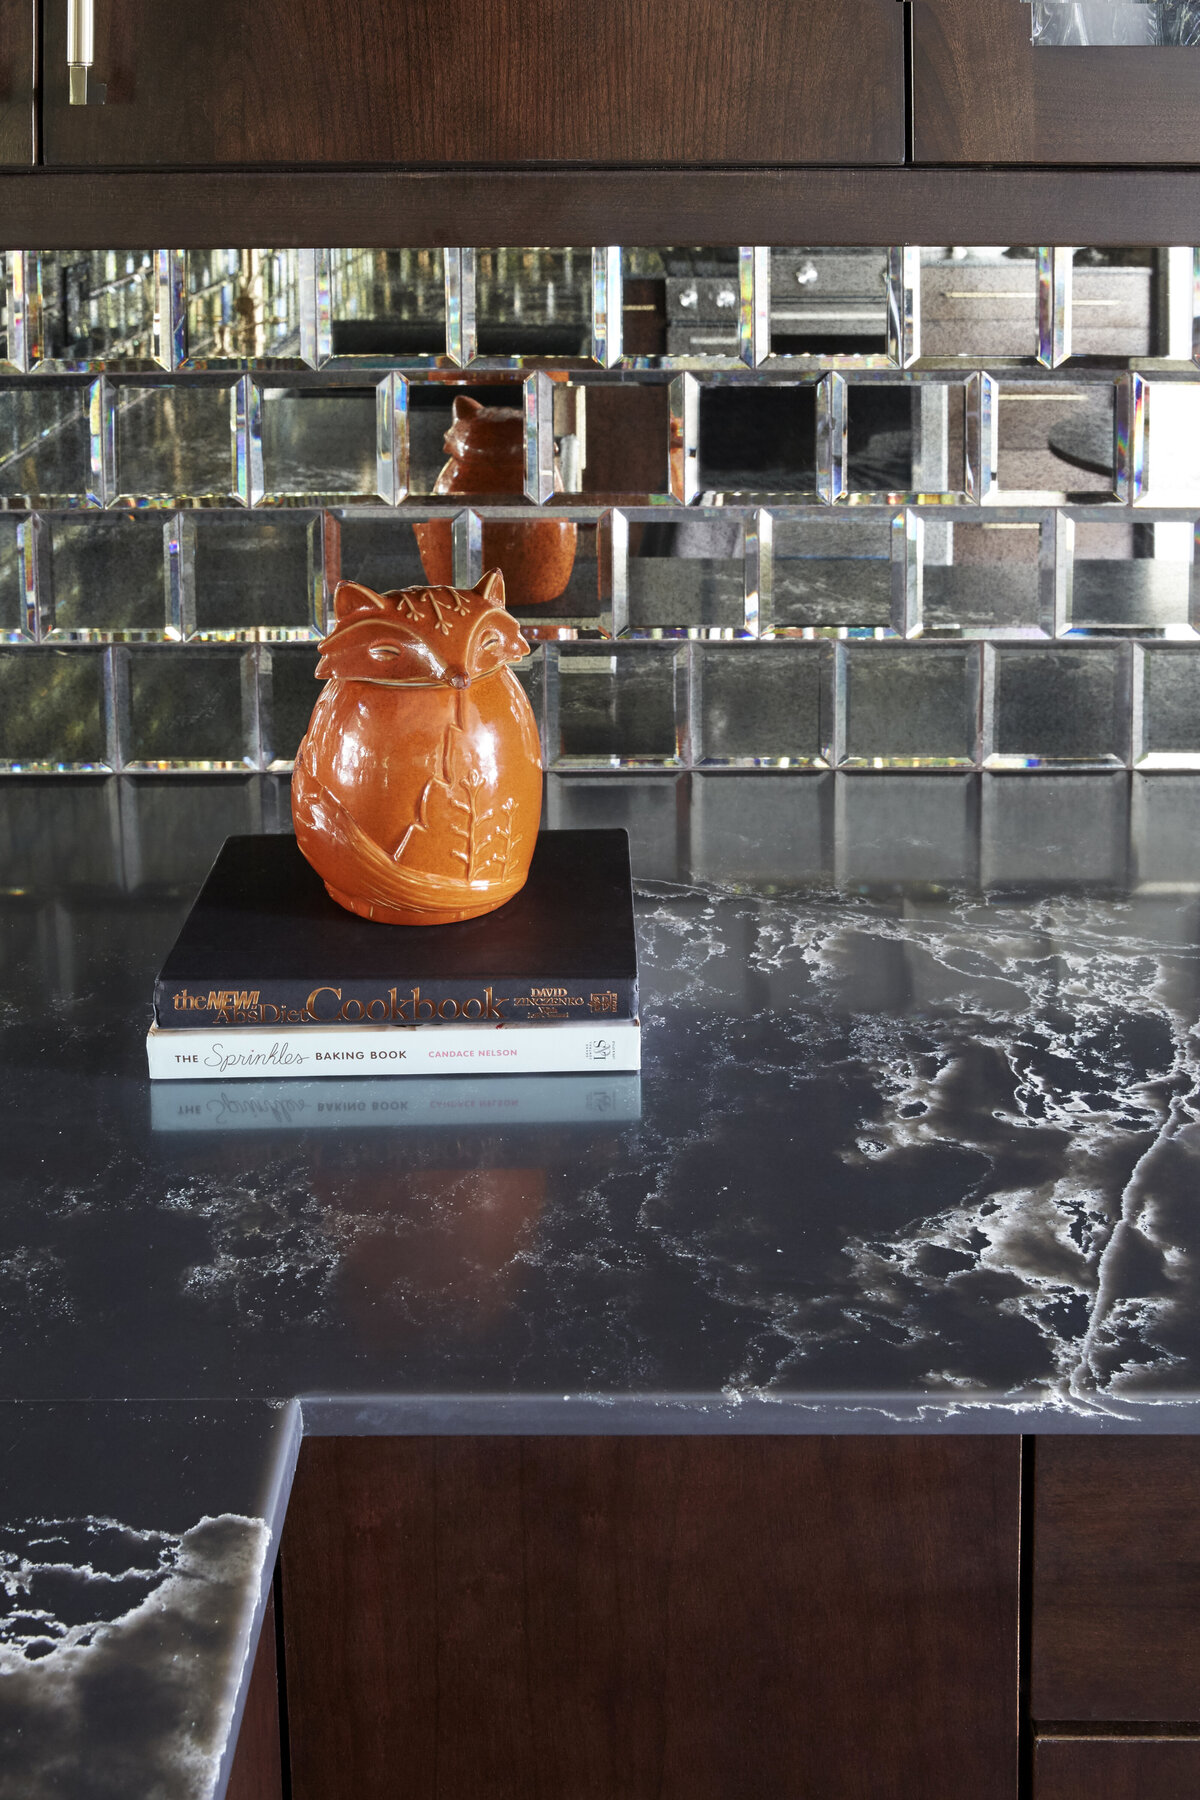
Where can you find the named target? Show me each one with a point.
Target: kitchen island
(743, 1378)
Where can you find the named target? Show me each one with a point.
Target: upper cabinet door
(17, 145)
(983, 94)
(415, 82)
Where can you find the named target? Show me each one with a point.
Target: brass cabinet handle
(81, 36)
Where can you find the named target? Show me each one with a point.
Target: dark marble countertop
(914, 1149)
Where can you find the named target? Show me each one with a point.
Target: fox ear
(351, 598)
(491, 587)
(465, 407)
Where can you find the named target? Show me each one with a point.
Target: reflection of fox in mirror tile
(418, 786)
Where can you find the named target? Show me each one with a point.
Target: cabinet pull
(81, 34)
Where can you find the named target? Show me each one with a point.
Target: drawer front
(982, 93)
(1116, 1580)
(426, 82)
(1116, 1769)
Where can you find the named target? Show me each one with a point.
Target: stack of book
(270, 978)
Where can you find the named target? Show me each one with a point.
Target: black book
(265, 945)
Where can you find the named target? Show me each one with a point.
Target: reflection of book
(309, 1052)
(470, 1102)
(265, 946)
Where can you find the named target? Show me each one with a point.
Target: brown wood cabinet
(655, 1618)
(1117, 1769)
(1116, 1580)
(17, 139)
(701, 1617)
(983, 94)
(436, 82)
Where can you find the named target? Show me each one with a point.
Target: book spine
(179, 1006)
(343, 1050)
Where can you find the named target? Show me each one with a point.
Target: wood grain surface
(16, 82)
(78, 209)
(426, 82)
(1117, 1769)
(1116, 1581)
(257, 1762)
(983, 94)
(682, 1618)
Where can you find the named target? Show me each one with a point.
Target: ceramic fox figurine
(417, 789)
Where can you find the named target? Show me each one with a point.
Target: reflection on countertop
(914, 1148)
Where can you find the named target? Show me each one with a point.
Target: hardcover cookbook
(270, 978)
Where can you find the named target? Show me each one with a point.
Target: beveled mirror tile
(1132, 577)
(287, 675)
(909, 827)
(172, 443)
(243, 307)
(1172, 468)
(45, 444)
(533, 301)
(1112, 303)
(1055, 706)
(904, 440)
(98, 308)
(911, 706)
(983, 579)
(1055, 443)
(689, 576)
(1164, 830)
(830, 303)
(61, 840)
(762, 827)
(169, 847)
(107, 576)
(979, 304)
(615, 705)
(191, 707)
(17, 592)
(763, 705)
(431, 414)
(52, 709)
(831, 573)
(1072, 830)
(648, 809)
(1170, 708)
(377, 549)
(385, 305)
(253, 576)
(331, 444)
(757, 439)
(622, 433)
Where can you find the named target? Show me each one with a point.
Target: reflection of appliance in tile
(989, 308)
(818, 298)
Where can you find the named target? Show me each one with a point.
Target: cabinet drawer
(982, 93)
(425, 82)
(1116, 1580)
(16, 83)
(1116, 1769)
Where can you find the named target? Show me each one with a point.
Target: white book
(309, 1051)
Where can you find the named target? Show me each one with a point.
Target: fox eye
(381, 651)
(490, 641)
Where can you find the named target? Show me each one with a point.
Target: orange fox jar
(418, 787)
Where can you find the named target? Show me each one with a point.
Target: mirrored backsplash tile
(55, 710)
(892, 509)
(194, 708)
